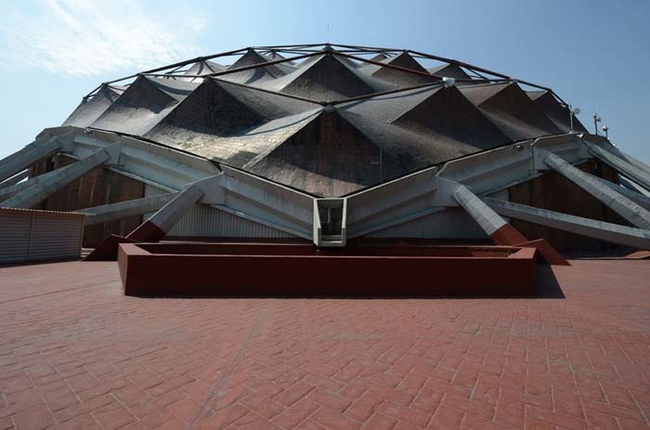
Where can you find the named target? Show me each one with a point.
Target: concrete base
(231, 269)
(107, 250)
(146, 232)
(507, 235)
(546, 252)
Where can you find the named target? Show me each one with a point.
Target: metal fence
(33, 235)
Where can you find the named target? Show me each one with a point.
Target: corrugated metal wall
(452, 223)
(205, 221)
(14, 236)
(30, 235)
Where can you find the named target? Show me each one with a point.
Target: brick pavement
(75, 353)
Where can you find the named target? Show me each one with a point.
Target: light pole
(572, 112)
(597, 119)
(606, 130)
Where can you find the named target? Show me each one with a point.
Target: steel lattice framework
(325, 119)
(329, 142)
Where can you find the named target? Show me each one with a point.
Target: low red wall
(199, 248)
(507, 271)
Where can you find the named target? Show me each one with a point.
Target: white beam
(638, 198)
(27, 156)
(158, 224)
(608, 232)
(14, 179)
(487, 219)
(60, 177)
(6, 193)
(637, 175)
(114, 211)
(631, 160)
(620, 204)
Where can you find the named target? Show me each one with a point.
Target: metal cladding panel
(56, 236)
(27, 235)
(452, 223)
(14, 236)
(206, 221)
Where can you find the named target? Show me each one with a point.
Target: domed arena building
(335, 145)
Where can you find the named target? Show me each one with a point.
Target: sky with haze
(594, 54)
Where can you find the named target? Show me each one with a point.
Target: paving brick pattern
(75, 353)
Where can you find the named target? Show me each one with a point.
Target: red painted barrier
(235, 269)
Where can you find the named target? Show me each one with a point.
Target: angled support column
(61, 177)
(638, 175)
(27, 156)
(6, 193)
(114, 211)
(491, 222)
(620, 204)
(631, 160)
(638, 198)
(499, 230)
(632, 186)
(14, 179)
(154, 228)
(608, 232)
(158, 224)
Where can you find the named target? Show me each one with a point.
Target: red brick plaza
(76, 353)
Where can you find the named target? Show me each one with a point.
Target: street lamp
(606, 130)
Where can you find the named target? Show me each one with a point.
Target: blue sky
(594, 54)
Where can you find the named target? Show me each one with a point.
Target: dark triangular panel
(258, 75)
(287, 66)
(510, 109)
(327, 78)
(555, 111)
(250, 58)
(209, 111)
(327, 157)
(446, 111)
(205, 68)
(378, 57)
(412, 149)
(388, 107)
(92, 108)
(218, 109)
(145, 103)
(449, 71)
(402, 78)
